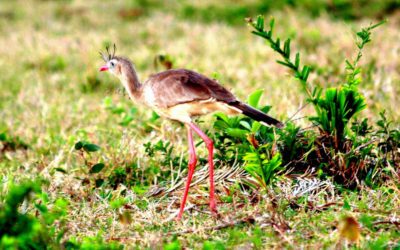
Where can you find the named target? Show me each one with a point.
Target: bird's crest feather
(107, 57)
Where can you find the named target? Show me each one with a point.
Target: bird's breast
(148, 96)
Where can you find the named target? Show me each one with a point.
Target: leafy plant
(96, 168)
(389, 140)
(11, 143)
(300, 72)
(20, 230)
(85, 149)
(361, 128)
(334, 111)
(246, 141)
(339, 105)
(336, 150)
(236, 135)
(92, 83)
(126, 115)
(162, 158)
(53, 63)
(86, 146)
(166, 61)
(262, 166)
(295, 145)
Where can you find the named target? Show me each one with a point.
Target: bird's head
(114, 64)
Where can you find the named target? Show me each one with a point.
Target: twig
(308, 128)
(363, 146)
(295, 113)
(391, 222)
(302, 117)
(325, 206)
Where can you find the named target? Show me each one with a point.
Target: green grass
(53, 96)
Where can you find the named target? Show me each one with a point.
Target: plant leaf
(61, 170)
(254, 98)
(99, 182)
(97, 168)
(236, 132)
(90, 147)
(78, 145)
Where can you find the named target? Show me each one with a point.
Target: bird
(181, 95)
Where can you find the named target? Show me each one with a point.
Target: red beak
(104, 68)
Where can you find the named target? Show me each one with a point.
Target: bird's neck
(131, 83)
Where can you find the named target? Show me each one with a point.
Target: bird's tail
(256, 114)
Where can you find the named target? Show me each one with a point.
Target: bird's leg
(210, 147)
(192, 166)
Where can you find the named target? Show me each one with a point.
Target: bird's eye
(112, 64)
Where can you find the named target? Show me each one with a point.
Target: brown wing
(173, 87)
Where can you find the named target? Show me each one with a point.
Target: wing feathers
(173, 87)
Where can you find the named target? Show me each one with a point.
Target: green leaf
(346, 204)
(154, 116)
(99, 182)
(117, 110)
(349, 66)
(174, 245)
(78, 145)
(90, 147)
(284, 63)
(262, 34)
(255, 126)
(97, 168)
(42, 208)
(140, 189)
(297, 60)
(305, 73)
(260, 23)
(220, 125)
(286, 48)
(367, 221)
(254, 98)
(245, 124)
(236, 132)
(3, 137)
(61, 170)
(126, 120)
(222, 116)
(271, 25)
(117, 203)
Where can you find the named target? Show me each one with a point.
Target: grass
(53, 96)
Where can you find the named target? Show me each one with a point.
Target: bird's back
(178, 86)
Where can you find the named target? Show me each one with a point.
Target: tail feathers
(256, 114)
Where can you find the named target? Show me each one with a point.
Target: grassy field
(53, 96)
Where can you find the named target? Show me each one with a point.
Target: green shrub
(345, 153)
(243, 140)
(334, 111)
(45, 230)
(20, 230)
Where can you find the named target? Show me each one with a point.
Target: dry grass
(50, 49)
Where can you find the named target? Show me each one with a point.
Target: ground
(53, 96)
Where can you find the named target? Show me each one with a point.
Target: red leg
(192, 166)
(210, 147)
